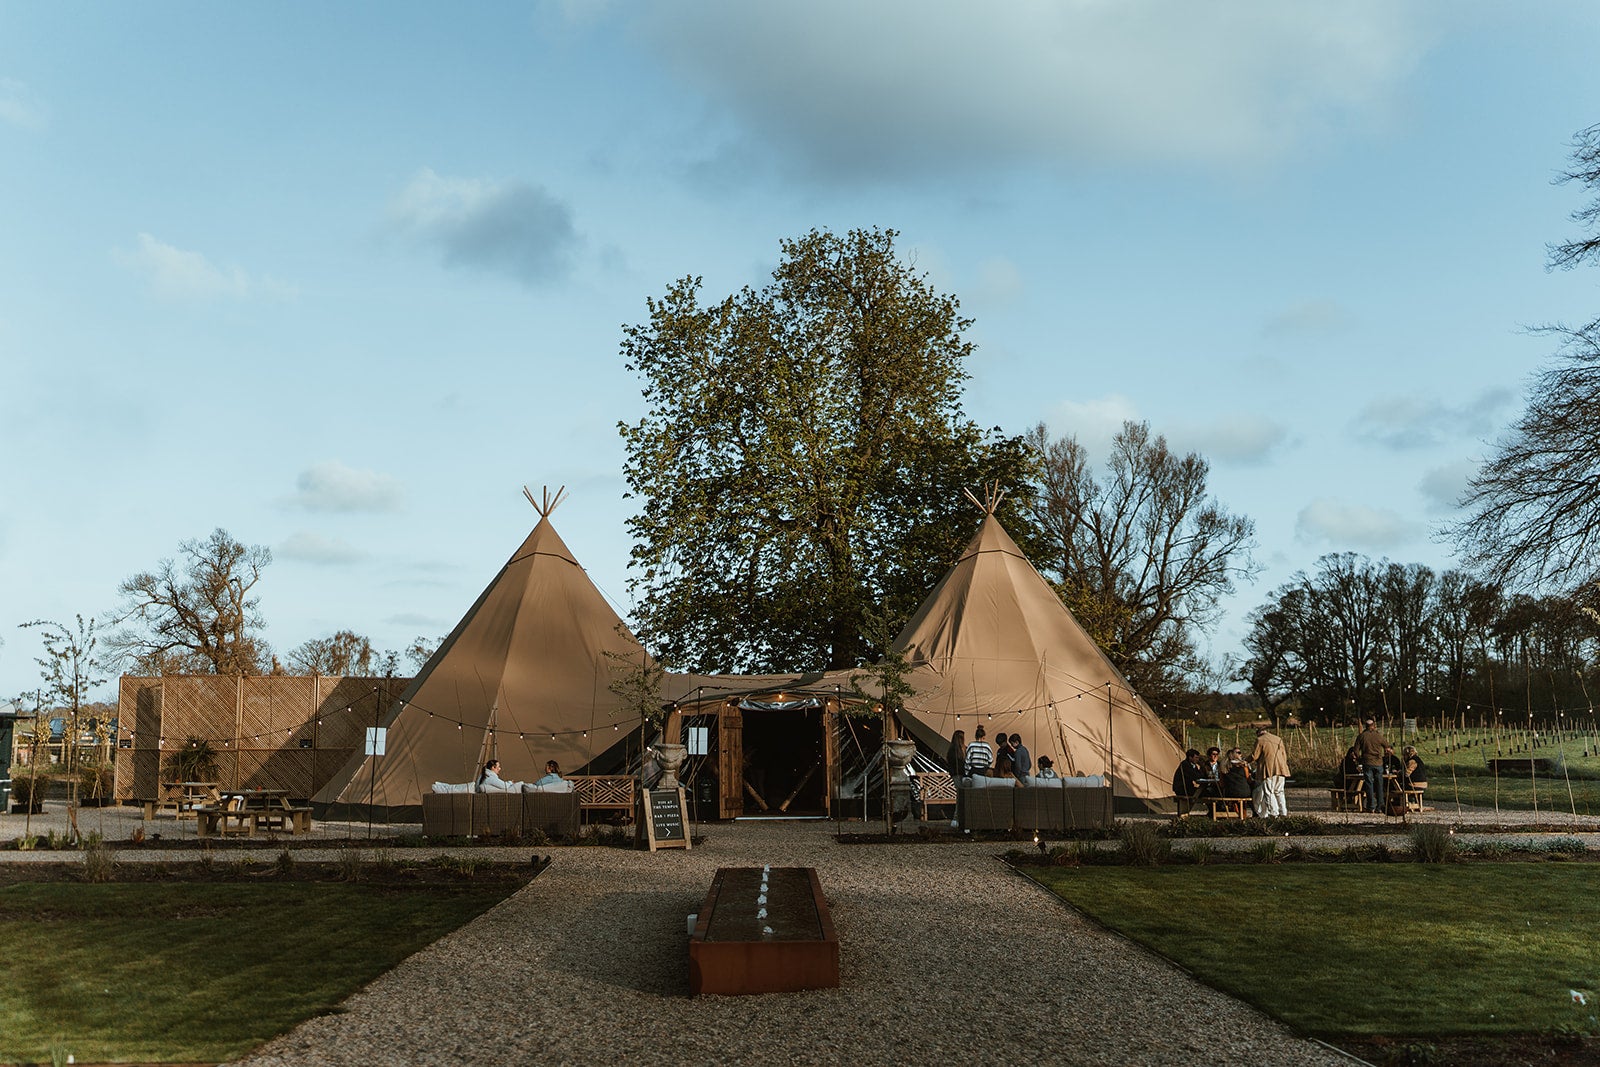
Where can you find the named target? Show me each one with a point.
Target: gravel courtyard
(942, 949)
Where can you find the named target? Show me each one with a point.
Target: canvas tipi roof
(993, 644)
(524, 676)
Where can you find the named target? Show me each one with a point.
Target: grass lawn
(195, 971)
(1400, 950)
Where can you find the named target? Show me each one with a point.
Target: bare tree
(1143, 557)
(1530, 509)
(198, 616)
(343, 653)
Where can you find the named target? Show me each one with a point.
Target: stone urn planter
(898, 754)
(670, 757)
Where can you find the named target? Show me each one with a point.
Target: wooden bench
(605, 793)
(1228, 807)
(1413, 799)
(938, 789)
(787, 945)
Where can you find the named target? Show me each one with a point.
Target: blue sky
(341, 278)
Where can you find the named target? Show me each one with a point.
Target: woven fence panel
(137, 767)
(328, 762)
(204, 706)
(138, 774)
(273, 707)
(228, 767)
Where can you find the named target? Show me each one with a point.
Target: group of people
(1006, 757)
(1371, 764)
(1258, 778)
(489, 780)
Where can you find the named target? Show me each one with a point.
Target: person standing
(1272, 767)
(1021, 759)
(980, 754)
(955, 759)
(1369, 748)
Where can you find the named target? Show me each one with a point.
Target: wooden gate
(730, 759)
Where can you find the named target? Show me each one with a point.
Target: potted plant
(27, 790)
(196, 761)
(96, 782)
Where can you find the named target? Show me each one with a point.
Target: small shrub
(1296, 854)
(1072, 854)
(352, 865)
(1490, 850)
(1144, 845)
(1201, 853)
(383, 859)
(1570, 846)
(28, 786)
(465, 866)
(96, 781)
(27, 843)
(285, 862)
(99, 862)
(1380, 853)
(1350, 854)
(1265, 851)
(1432, 843)
(1415, 1054)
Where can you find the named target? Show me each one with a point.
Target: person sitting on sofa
(1047, 767)
(552, 775)
(489, 780)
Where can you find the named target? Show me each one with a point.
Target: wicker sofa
(1033, 807)
(478, 814)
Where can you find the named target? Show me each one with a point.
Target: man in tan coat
(1272, 767)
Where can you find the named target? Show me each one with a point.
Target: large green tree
(802, 456)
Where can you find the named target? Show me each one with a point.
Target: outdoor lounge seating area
(1075, 804)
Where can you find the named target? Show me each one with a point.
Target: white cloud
(891, 87)
(1308, 318)
(1404, 422)
(332, 486)
(511, 228)
(1441, 487)
(18, 107)
(315, 548)
(1353, 526)
(1244, 439)
(1094, 422)
(178, 274)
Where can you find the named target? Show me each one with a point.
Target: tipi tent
(993, 644)
(525, 676)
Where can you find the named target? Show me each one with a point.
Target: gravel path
(589, 963)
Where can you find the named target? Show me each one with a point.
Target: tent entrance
(785, 761)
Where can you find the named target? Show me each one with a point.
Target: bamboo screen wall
(269, 732)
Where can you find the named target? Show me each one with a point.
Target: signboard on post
(377, 738)
(665, 824)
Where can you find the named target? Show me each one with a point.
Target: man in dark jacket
(1369, 751)
(1187, 779)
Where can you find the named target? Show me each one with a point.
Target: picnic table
(252, 811)
(183, 799)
